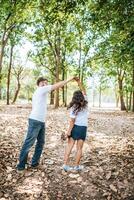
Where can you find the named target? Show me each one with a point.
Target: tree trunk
(28, 95)
(9, 74)
(93, 94)
(52, 98)
(127, 98)
(123, 107)
(57, 80)
(3, 44)
(64, 95)
(17, 92)
(100, 96)
(117, 100)
(79, 70)
(82, 75)
(130, 101)
(64, 89)
(56, 98)
(133, 89)
(93, 97)
(52, 92)
(58, 64)
(1, 59)
(116, 95)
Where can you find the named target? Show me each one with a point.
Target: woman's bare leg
(68, 150)
(79, 151)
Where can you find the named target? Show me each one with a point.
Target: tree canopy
(92, 38)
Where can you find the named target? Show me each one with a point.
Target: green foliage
(88, 38)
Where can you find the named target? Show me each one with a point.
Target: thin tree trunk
(116, 95)
(123, 107)
(52, 92)
(3, 44)
(58, 65)
(57, 80)
(17, 92)
(117, 100)
(28, 95)
(65, 95)
(127, 105)
(52, 98)
(1, 59)
(64, 89)
(82, 75)
(9, 74)
(130, 100)
(79, 70)
(93, 94)
(57, 98)
(4, 40)
(100, 96)
(133, 89)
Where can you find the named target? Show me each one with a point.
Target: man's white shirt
(39, 103)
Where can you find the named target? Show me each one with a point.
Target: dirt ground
(108, 158)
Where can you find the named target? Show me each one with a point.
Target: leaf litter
(108, 158)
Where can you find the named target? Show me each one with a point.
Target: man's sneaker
(78, 168)
(20, 170)
(35, 165)
(67, 168)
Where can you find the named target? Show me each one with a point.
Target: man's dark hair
(41, 79)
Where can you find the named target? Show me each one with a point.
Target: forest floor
(108, 158)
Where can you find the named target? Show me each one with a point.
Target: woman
(77, 127)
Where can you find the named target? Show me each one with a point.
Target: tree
(18, 73)
(111, 20)
(11, 17)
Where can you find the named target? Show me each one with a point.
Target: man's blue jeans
(36, 130)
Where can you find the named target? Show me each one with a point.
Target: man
(36, 127)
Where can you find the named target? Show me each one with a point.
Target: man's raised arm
(61, 83)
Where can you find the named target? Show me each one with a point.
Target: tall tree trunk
(65, 95)
(28, 95)
(57, 97)
(116, 95)
(1, 59)
(79, 69)
(93, 93)
(52, 98)
(52, 92)
(127, 100)
(9, 74)
(57, 80)
(4, 40)
(64, 89)
(133, 89)
(58, 64)
(17, 91)
(120, 82)
(82, 75)
(130, 101)
(100, 96)
(117, 100)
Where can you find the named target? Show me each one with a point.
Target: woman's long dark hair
(78, 102)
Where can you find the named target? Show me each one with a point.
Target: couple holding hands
(77, 129)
